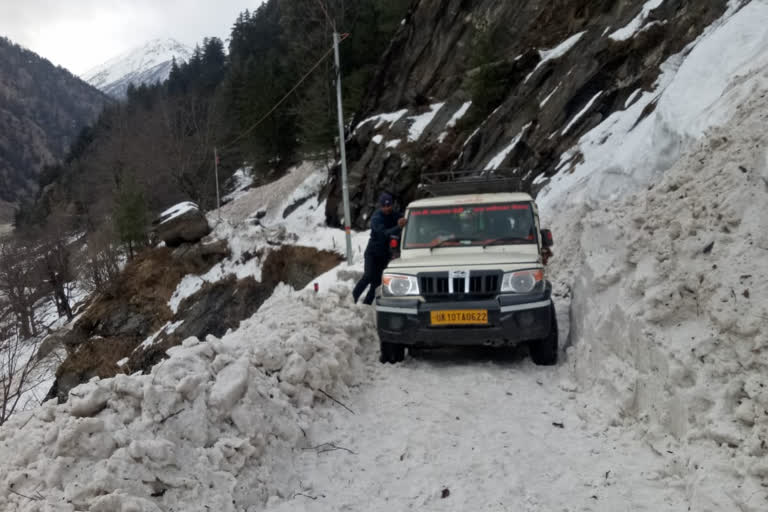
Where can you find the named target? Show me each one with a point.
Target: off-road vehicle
(471, 271)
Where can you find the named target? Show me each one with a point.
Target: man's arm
(379, 227)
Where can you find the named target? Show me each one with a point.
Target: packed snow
(670, 301)
(213, 427)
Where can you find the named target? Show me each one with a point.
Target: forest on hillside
(41, 106)
(94, 207)
(158, 147)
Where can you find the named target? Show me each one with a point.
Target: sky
(81, 34)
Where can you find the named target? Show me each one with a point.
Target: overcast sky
(81, 34)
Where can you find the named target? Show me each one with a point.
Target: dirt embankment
(135, 308)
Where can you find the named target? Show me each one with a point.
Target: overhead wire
(287, 95)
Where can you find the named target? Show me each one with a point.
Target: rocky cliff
(509, 86)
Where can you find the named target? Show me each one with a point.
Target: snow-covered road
(488, 432)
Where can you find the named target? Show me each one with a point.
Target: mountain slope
(145, 64)
(42, 109)
(538, 74)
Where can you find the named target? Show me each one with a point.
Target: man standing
(384, 224)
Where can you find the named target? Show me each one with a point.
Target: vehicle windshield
(470, 225)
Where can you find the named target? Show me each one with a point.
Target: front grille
(479, 283)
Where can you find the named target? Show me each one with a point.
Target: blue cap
(385, 199)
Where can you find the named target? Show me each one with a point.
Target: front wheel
(544, 351)
(392, 352)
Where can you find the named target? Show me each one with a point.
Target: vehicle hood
(454, 260)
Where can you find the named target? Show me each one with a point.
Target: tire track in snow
(484, 427)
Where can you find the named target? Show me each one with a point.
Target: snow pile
(214, 424)
(697, 90)
(670, 304)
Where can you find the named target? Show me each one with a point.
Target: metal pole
(342, 146)
(216, 171)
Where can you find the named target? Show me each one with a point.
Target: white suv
(470, 272)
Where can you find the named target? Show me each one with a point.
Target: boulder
(210, 253)
(183, 223)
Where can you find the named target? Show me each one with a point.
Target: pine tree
(131, 217)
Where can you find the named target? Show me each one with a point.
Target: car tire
(544, 352)
(392, 353)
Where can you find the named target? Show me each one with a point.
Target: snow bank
(670, 303)
(214, 424)
(697, 90)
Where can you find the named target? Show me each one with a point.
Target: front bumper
(512, 319)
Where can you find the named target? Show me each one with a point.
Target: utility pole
(342, 146)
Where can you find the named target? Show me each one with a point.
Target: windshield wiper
(452, 239)
(506, 239)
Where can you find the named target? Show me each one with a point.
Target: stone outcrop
(187, 227)
(437, 57)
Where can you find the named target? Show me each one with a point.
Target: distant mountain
(145, 64)
(42, 109)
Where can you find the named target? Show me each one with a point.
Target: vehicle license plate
(459, 317)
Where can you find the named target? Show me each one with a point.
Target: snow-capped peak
(146, 64)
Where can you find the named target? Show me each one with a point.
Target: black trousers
(374, 268)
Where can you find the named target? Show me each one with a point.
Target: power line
(298, 84)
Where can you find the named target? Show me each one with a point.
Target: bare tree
(101, 264)
(19, 367)
(20, 283)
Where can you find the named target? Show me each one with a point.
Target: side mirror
(546, 238)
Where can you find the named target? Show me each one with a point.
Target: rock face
(183, 223)
(540, 74)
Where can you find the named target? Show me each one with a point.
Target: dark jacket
(382, 227)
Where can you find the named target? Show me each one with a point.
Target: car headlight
(524, 281)
(397, 285)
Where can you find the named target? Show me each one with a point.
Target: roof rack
(469, 182)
